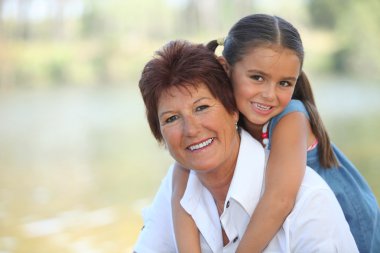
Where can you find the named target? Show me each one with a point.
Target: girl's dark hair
(265, 30)
(182, 64)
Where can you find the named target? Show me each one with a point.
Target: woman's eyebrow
(195, 102)
(164, 112)
(201, 99)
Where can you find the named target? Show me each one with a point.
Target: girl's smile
(264, 81)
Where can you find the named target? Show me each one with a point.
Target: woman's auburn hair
(182, 64)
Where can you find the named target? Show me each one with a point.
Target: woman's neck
(218, 184)
(218, 180)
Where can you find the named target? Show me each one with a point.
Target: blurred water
(347, 98)
(71, 160)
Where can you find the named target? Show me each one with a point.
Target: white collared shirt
(316, 223)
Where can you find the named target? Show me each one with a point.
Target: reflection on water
(77, 166)
(69, 164)
(348, 98)
(68, 220)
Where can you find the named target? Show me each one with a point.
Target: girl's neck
(254, 130)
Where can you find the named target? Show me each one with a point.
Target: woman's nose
(191, 126)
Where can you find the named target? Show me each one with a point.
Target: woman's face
(264, 81)
(198, 131)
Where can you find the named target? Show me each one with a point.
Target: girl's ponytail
(304, 93)
(212, 45)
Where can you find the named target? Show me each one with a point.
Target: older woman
(191, 109)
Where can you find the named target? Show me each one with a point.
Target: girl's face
(264, 81)
(197, 129)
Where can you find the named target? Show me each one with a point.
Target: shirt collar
(247, 182)
(192, 193)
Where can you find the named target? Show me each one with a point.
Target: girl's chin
(254, 120)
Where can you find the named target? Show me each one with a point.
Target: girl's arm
(284, 173)
(186, 232)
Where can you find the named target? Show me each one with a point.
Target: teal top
(356, 198)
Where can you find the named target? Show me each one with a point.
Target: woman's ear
(225, 64)
(236, 116)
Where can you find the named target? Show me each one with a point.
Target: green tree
(356, 29)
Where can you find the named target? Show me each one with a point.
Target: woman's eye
(257, 78)
(285, 83)
(201, 108)
(171, 119)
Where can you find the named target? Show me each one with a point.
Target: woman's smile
(201, 145)
(197, 129)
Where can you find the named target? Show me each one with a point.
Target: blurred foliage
(324, 13)
(356, 28)
(107, 42)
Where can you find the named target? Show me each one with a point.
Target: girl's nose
(269, 91)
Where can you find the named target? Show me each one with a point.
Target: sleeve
(319, 225)
(293, 106)
(157, 234)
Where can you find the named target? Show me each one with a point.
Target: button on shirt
(316, 223)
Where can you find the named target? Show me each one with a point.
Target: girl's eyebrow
(257, 72)
(294, 79)
(254, 71)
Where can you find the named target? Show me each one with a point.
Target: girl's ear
(225, 64)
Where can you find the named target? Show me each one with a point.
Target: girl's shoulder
(293, 106)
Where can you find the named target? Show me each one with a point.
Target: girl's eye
(201, 108)
(171, 119)
(285, 83)
(257, 78)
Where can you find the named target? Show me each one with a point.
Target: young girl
(263, 56)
